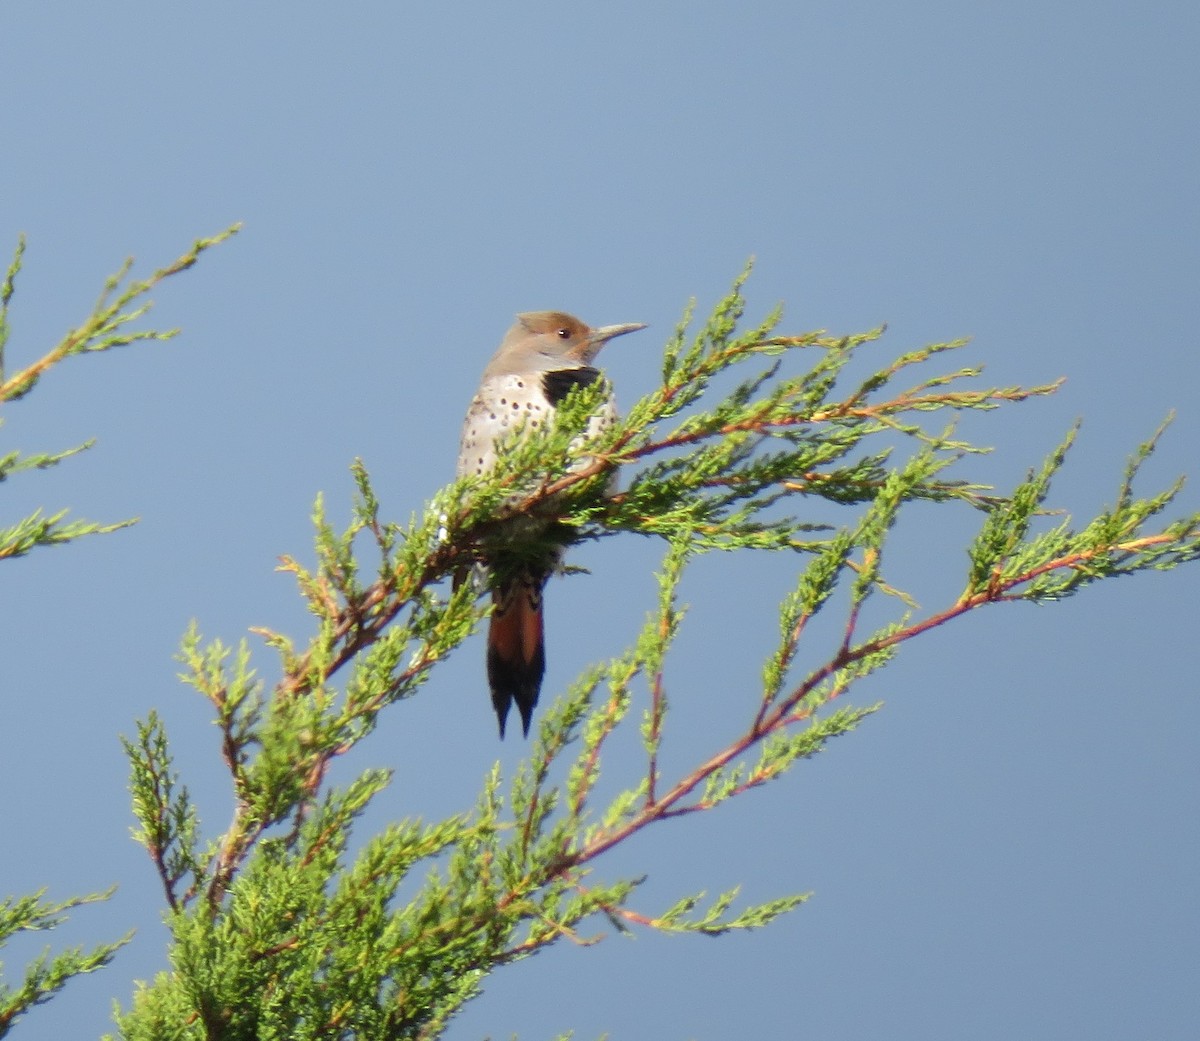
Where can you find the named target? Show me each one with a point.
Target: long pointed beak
(607, 332)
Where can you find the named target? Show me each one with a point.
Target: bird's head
(554, 339)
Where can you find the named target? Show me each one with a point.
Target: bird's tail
(516, 653)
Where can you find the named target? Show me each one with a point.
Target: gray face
(542, 341)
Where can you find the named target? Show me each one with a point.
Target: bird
(541, 359)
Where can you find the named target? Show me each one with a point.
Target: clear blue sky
(1008, 850)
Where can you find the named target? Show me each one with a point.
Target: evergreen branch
(46, 974)
(1179, 543)
(40, 530)
(6, 294)
(167, 820)
(103, 329)
(14, 462)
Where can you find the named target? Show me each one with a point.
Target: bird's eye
(564, 333)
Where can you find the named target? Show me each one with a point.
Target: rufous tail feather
(516, 654)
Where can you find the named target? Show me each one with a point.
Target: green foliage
(107, 326)
(46, 974)
(287, 925)
(291, 924)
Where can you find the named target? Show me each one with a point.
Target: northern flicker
(543, 356)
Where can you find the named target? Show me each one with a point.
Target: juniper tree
(291, 923)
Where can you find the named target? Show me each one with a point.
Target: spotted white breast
(506, 402)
